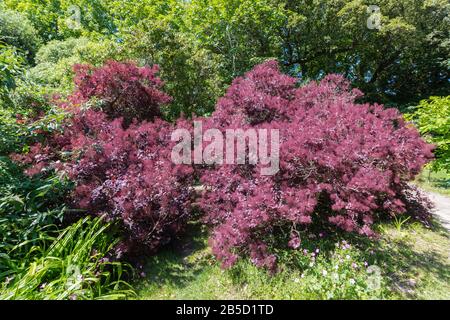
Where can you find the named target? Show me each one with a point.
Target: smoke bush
(342, 164)
(122, 169)
(123, 89)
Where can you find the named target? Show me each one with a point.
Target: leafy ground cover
(75, 266)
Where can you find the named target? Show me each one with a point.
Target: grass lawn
(413, 263)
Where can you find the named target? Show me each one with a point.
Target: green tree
(243, 32)
(155, 32)
(400, 63)
(405, 60)
(61, 19)
(53, 72)
(191, 73)
(11, 67)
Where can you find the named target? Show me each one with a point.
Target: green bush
(17, 134)
(30, 210)
(432, 117)
(56, 50)
(9, 132)
(53, 73)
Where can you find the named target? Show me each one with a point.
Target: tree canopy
(201, 45)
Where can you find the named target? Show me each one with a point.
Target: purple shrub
(124, 90)
(342, 164)
(119, 162)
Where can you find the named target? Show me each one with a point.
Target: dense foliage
(341, 163)
(432, 118)
(11, 67)
(202, 45)
(121, 166)
(60, 19)
(38, 260)
(30, 208)
(16, 30)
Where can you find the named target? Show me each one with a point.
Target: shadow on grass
(408, 258)
(412, 260)
(180, 262)
(405, 267)
(441, 183)
(437, 180)
(440, 179)
(437, 226)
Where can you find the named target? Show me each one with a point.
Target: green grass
(434, 181)
(413, 263)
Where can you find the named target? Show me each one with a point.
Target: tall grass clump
(75, 266)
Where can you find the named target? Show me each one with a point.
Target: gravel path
(442, 207)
